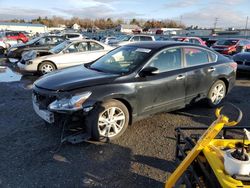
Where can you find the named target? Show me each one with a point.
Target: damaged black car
(130, 83)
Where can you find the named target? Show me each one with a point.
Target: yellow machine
(211, 162)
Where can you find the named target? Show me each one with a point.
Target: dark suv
(132, 82)
(39, 43)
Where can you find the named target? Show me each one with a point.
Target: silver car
(66, 54)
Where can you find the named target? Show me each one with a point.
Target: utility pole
(246, 27)
(215, 22)
(180, 20)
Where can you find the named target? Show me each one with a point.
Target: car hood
(74, 78)
(19, 45)
(242, 56)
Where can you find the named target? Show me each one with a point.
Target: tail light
(233, 65)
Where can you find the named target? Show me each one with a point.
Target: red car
(194, 40)
(15, 35)
(231, 46)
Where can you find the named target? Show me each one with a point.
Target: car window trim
(210, 61)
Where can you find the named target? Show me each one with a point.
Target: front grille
(239, 62)
(43, 100)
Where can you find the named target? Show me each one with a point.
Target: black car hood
(242, 56)
(74, 78)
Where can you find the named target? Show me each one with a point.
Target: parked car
(231, 46)
(107, 40)
(66, 54)
(243, 60)
(5, 43)
(18, 36)
(3, 46)
(132, 82)
(73, 36)
(126, 39)
(14, 53)
(194, 40)
(210, 42)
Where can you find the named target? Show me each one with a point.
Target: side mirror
(149, 71)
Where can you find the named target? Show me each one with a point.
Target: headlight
(70, 104)
(28, 62)
(12, 49)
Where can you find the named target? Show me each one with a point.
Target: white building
(76, 26)
(124, 28)
(31, 28)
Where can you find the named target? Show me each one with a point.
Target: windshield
(226, 42)
(124, 38)
(121, 60)
(2, 34)
(33, 40)
(57, 49)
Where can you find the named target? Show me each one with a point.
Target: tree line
(101, 23)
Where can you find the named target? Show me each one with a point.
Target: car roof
(160, 44)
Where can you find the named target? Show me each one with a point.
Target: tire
(103, 128)
(2, 50)
(19, 41)
(46, 67)
(216, 93)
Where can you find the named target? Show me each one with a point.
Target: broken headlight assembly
(73, 103)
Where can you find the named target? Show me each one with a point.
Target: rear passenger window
(169, 59)
(213, 57)
(195, 56)
(94, 46)
(145, 38)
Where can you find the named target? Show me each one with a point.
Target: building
(165, 31)
(28, 27)
(76, 26)
(126, 28)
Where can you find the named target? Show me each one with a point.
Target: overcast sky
(230, 13)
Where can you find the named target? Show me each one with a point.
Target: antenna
(215, 22)
(246, 27)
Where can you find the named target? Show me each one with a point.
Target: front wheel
(46, 67)
(216, 93)
(109, 121)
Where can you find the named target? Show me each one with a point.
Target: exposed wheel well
(226, 83)
(127, 104)
(46, 61)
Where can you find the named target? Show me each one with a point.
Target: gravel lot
(142, 157)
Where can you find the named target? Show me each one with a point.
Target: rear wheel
(216, 93)
(46, 67)
(109, 121)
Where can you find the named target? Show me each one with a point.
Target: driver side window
(166, 60)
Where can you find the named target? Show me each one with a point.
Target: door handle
(211, 69)
(180, 77)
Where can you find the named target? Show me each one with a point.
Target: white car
(73, 36)
(107, 40)
(126, 39)
(66, 54)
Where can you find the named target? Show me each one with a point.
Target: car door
(200, 66)
(74, 54)
(165, 90)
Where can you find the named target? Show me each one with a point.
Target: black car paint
(142, 95)
(30, 46)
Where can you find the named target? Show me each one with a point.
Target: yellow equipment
(208, 153)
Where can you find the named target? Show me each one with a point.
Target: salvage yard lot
(142, 157)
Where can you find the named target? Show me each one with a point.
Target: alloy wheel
(46, 68)
(111, 122)
(218, 93)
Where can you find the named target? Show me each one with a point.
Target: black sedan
(132, 82)
(243, 60)
(40, 43)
